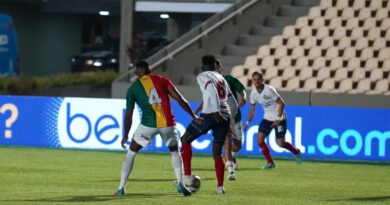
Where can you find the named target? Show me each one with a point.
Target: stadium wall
(320, 132)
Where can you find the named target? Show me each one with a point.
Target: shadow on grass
(145, 180)
(96, 198)
(373, 198)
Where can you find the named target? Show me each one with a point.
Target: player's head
(142, 68)
(208, 63)
(257, 79)
(218, 66)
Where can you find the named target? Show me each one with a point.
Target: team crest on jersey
(267, 97)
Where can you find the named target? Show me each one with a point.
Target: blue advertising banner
(92, 123)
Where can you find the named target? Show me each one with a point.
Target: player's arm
(252, 111)
(128, 122)
(175, 94)
(280, 111)
(199, 108)
(242, 100)
(241, 90)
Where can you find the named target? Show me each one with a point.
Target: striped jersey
(150, 92)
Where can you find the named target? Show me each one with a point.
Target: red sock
(186, 155)
(291, 148)
(219, 166)
(266, 153)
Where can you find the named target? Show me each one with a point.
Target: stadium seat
(280, 51)
(292, 84)
(340, 4)
(331, 12)
(310, 42)
(305, 73)
(245, 81)
(327, 84)
(345, 85)
(381, 87)
(288, 73)
(322, 32)
(367, 53)
(385, 24)
(238, 70)
(376, 74)
(284, 61)
(327, 42)
(251, 60)
(318, 22)
(308, 85)
(382, 13)
(371, 64)
(365, 13)
(339, 32)
(376, 4)
(298, 52)
(305, 31)
(332, 52)
(358, 74)
(267, 61)
(344, 42)
(302, 21)
(361, 43)
(271, 72)
(326, 3)
(318, 63)
(323, 73)
(315, 11)
(359, 3)
(369, 23)
(379, 43)
(352, 23)
(264, 50)
(335, 23)
(293, 41)
(276, 82)
(384, 53)
(276, 41)
(341, 73)
(374, 33)
(336, 63)
(315, 52)
(387, 36)
(362, 87)
(349, 52)
(353, 63)
(348, 13)
(288, 31)
(303, 62)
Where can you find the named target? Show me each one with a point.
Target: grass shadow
(373, 198)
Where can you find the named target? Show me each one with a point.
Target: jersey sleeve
(168, 83)
(238, 86)
(130, 100)
(252, 99)
(210, 94)
(274, 94)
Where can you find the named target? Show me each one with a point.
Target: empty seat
(292, 84)
(381, 87)
(280, 51)
(289, 31)
(357, 33)
(326, 3)
(385, 24)
(382, 13)
(267, 61)
(322, 32)
(298, 52)
(367, 53)
(358, 74)
(344, 86)
(374, 33)
(353, 63)
(238, 70)
(302, 21)
(339, 32)
(288, 72)
(245, 80)
(361, 43)
(276, 82)
(379, 43)
(359, 3)
(341, 4)
(349, 52)
(336, 63)
(362, 87)
(332, 52)
(264, 51)
(352, 23)
(308, 85)
(365, 13)
(371, 64)
(369, 23)
(327, 42)
(376, 74)
(335, 22)
(315, 11)
(284, 61)
(305, 31)
(318, 22)
(315, 52)
(384, 53)
(323, 73)
(331, 12)
(310, 42)
(341, 73)
(327, 84)
(302, 62)
(376, 4)
(293, 41)
(271, 72)
(319, 63)
(344, 42)
(305, 73)
(348, 13)
(251, 60)
(276, 41)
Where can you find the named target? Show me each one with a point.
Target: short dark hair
(257, 73)
(218, 62)
(209, 62)
(142, 64)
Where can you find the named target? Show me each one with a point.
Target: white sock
(234, 154)
(187, 179)
(127, 166)
(177, 166)
(230, 167)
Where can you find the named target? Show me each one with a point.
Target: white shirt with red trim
(215, 91)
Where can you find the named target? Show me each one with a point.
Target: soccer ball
(196, 182)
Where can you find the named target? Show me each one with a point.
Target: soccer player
(236, 134)
(274, 118)
(151, 93)
(216, 115)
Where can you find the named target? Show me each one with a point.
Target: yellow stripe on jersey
(148, 85)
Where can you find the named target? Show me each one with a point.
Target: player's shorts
(220, 130)
(265, 127)
(237, 131)
(144, 135)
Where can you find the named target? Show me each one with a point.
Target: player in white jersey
(274, 118)
(216, 114)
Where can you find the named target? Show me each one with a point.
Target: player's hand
(199, 120)
(241, 102)
(275, 123)
(123, 142)
(219, 117)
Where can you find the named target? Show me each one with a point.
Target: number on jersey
(154, 98)
(221, 88)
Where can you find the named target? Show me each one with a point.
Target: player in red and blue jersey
(151, 93)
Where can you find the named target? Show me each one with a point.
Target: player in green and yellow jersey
(151, 93)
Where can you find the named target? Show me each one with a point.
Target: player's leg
(280, 138)
(228, 156)
(142, 137)
(264, 130)
(220, 131)
(170, 137)
(237, 141)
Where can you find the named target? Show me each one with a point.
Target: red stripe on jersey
(207, 83)
(162, 85)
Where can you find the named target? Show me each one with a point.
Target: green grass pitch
(54, 176)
